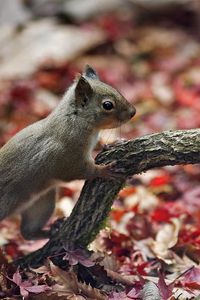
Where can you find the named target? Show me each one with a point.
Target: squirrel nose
(132, 111)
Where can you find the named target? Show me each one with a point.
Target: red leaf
(139, 227)
(190, 235)
(117, 214)
(191, 278)
(160, 180)
(67, 192)
(161, 214)
(119, 243)
(164, 289)
(127, 191)
(185, 95)
(167, 211)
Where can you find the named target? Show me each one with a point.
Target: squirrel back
(58, 149)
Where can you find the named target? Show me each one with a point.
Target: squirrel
(58, 149)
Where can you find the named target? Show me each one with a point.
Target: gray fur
(54, 150)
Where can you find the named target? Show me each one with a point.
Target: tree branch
(97, 196)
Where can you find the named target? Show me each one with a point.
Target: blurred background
(148, 49)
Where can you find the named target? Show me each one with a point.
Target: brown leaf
(166, 238)
(67, 281)
(117, 277)
(51, 296)
(91, 292)
(69, 286)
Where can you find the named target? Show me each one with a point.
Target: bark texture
(130, 157)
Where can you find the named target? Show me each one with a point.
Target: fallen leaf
(164, 289)
(75, 256)
(26, 286)
(191, 279)
(166, 238)
(150, 291)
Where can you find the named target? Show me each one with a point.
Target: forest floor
(150, 246)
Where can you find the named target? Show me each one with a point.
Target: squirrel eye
(108, 105)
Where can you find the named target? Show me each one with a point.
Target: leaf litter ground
(150, 247)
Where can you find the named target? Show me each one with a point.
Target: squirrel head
(100, 103)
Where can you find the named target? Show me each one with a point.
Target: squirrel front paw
(109, 171)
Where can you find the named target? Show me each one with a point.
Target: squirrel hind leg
(36, 216)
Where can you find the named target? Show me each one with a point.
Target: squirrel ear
(83, 90)
(90, 72)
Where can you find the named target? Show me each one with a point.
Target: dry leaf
(117, 277)
(150, 291)
(67, 281)
(91, 292)
(23, 52)
(165, 239)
